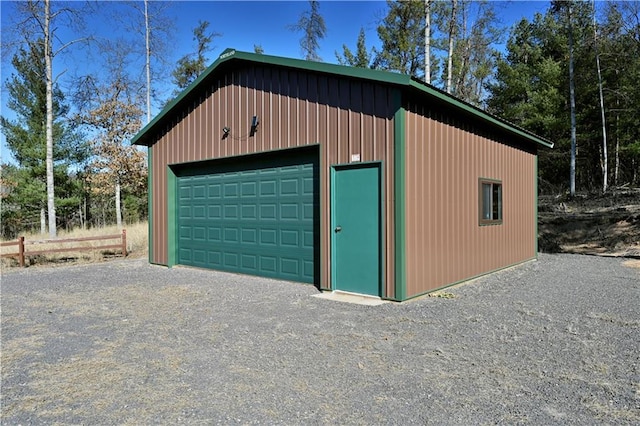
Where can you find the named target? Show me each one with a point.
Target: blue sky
(243, 24)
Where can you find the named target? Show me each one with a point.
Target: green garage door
(256, 215)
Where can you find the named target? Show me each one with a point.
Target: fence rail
(24, 253)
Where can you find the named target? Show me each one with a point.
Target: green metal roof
(414, 85)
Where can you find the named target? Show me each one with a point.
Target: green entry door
(255, 215)
(355, 222)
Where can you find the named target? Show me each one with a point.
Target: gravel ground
(549, 342)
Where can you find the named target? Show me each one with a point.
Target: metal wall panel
(445, 157)
(345, 117)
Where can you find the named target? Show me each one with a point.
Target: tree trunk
(43, 221)
(572, 96)
(605, 158)
(452, 28)
(48, 55)
(427, 42)
(118, 208)
(148, 57)
(617, 166)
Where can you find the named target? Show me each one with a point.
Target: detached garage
(349, 179)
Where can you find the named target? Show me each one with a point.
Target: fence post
(21, 251)
(124, 242)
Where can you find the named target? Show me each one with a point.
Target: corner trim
(150, 203)
(172, 217)
(535, 194)
(399, 134)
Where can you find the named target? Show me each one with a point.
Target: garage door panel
(250, 263)
(249, 189)
(215, 234)
(215, 259)
(268, 212)
(249, 212)
(215, 212)
(268, 188)
(231, 235)
(230, 260)
(198, 212)
(260, 220)
(289, 266)
(268, 265)
(289, 211)
(231, 212)
(249, 236)
(215, 191)
(268, 237)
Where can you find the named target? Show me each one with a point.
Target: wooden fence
(24, 252)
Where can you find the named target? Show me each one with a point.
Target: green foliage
(313, 28)
(191, 65)
(531, 89)
(362, 58)
(26, 140)
(402, 36)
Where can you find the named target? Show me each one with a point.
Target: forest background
(72, 100)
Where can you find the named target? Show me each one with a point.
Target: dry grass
(633, 263)
(137, 246)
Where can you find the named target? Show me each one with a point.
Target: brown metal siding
(345, 117)
(445, 157)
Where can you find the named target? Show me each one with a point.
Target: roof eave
(457, 103)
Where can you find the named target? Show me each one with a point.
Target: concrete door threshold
(358, 299)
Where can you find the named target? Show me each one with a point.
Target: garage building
(350, 179)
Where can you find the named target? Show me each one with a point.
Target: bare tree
(112, 110)
(40, 24)
(147, 44)
(572, 95)
(313, 28)
(155, 27)
(604, 159)
(452, 35)
(427, 41)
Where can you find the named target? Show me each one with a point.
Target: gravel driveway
(549, 342)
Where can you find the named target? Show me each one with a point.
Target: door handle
(338, 229)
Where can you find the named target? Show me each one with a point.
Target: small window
(490, 202)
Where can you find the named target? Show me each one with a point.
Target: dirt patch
(607, 225)
(632, 263)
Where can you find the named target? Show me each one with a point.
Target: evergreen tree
(191, 65)
(312, 26)
(532, 89)
(26, 140)
(402, 35)
(362, 58)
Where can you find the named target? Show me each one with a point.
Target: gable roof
(396, 79)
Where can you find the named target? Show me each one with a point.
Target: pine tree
(27, 138)
(362, 58)
(402, 36)
(191, 65)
